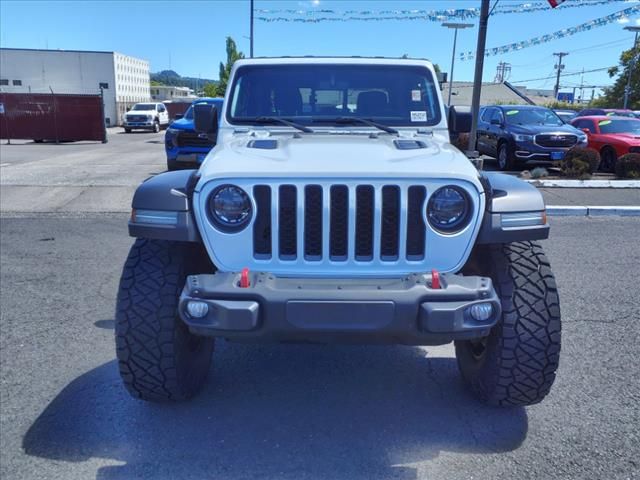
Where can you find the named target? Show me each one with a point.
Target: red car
(611, 136)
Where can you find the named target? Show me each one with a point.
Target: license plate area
(557, 155)
(337, 315)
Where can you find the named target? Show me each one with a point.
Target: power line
(562, 75)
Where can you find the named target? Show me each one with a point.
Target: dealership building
(124, 80)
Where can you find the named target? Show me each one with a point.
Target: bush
(628, 166)
(580, 163)
(539, 172)
(461, 142)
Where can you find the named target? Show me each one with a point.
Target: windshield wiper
(363, 121)
(282, 121)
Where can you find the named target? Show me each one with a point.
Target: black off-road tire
(159, 359)
(127, 130)
(516, 364)
(156, 126)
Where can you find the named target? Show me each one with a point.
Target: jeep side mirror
(205, 119)
(459, 122)
(178, 116)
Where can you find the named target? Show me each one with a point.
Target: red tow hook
(244, 278)
(435, 280)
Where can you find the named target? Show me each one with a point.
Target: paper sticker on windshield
(513, 112)
(416, 96)
(604, 122)
(419, 116)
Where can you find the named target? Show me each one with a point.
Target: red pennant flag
(555, 3)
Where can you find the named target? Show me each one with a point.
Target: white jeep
(334, 209)
(146, 116)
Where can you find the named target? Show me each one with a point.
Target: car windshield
(144, 106)
(189, 113)
(619, 126)
(620, 114)
(326, 94)
(531, 116)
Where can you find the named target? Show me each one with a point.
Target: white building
(124, 80)
(169, 93)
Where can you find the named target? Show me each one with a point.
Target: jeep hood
(343, 155)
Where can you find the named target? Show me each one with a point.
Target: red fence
(64, 118)
(176, 107)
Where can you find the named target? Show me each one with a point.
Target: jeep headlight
(523, 138)
(449, 209)
(230, 208)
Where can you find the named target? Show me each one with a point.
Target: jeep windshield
(330, 95)
(532, 116)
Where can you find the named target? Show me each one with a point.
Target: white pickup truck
(146, 116)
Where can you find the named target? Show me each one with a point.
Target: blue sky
(188, 36)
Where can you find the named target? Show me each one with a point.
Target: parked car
(618, 112)
(515, 134)
(146, 116)
(566, 115)
(310, 222)
(185, 148)
(611, 136)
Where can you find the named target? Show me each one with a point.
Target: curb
(585, 183)
(592, 211)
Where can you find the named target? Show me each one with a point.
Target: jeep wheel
(516, 364)
(159, 358)
(505, 157)
(127, 130)
(609, 157)
(156, 126)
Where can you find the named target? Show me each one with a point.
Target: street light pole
(477, 77)
(251, 31)
(632, 63)
(456, 27)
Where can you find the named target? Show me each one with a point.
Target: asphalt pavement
(304, 412)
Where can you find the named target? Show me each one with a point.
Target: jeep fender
(515, 211)
(161, 207)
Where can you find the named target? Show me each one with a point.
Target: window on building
(104, 85)
(17, 83)
(4, 81)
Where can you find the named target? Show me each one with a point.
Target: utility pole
(559, 67)
(502, 71)
(477, 77)
(632, 63)
(251, 31)
(581, 85)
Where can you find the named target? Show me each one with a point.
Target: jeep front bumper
(392, 311)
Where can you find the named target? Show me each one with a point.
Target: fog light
(480, 312)
(197, 309)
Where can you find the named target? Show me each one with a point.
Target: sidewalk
(591, 196)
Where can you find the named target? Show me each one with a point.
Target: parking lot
(284, 411)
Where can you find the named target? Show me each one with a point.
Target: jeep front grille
(340, 222)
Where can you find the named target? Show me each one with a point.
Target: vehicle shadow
(339, 412)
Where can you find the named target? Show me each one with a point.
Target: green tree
(210, 90)
(225, 68)
(614, 95)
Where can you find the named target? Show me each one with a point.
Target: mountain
(169, 77)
